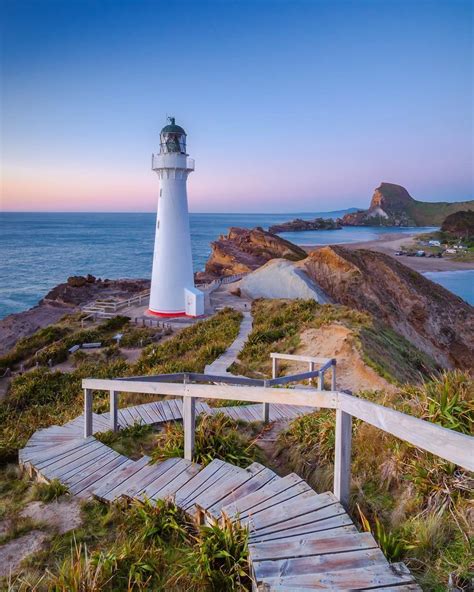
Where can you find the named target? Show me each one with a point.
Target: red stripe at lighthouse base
(167, 315)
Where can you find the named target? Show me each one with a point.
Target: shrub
(47, 492)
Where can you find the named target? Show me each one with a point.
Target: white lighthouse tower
(172, 283)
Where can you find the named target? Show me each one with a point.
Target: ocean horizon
(39, 250)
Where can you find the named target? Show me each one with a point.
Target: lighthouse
(172, 283)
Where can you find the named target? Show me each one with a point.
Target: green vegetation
(137, 547)
(41, 397)
(193, 348)
(415, 504)
(217, 436)
(133, 441)
(278, 325)
(48, 492)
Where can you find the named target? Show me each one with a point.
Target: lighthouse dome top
(172, 138)
(172, 127)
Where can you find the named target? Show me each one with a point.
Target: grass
(278, 325)
(138, 547)
(416, 505)
(133, 441)
(41, 397)
(217, 436)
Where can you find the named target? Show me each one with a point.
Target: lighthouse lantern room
(172, 284)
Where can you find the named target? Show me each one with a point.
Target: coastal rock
(460, 225)
(63, 299)
(298, 225)
(280, 278)
(429, 316)
(392, 205)
(243, 250)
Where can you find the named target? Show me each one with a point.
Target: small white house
(434, 243)
(451, 251)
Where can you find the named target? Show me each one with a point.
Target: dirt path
(337, 341)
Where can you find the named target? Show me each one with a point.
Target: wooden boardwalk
(299, 540)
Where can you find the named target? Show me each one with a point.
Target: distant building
(434, 243)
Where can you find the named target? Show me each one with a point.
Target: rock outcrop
(280, 278)
(429, 316)
(392, 205)
(243, 250)
(63, 299)
(298, 225)
(460, 225)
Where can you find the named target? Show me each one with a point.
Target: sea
(40, 250)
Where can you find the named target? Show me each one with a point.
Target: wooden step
(168, 490)
(146, 476)
(186, 491)
(84, 482)
(277, 492)
(123, 481)
(362, 578)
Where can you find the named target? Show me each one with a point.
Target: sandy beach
(390, 243)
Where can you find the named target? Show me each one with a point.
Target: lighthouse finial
(172, 120)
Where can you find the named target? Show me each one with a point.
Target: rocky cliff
(243, 250)
(392, 205)
(429, 316)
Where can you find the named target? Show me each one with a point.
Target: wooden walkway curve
(299, 540)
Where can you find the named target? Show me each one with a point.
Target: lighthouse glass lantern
(172, 291)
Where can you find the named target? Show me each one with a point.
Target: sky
(289, 106)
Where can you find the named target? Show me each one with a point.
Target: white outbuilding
(172, 284)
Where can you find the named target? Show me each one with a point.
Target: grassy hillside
(434, 213)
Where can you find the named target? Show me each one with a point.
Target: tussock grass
(416, 505)
(141, 547)
(278, 325)
(217, 436)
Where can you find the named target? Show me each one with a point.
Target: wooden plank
(255, 394)
(84, 481)
(283, 489)
(214, 481)
(158, 409)
(299, 358)
(184, 477)
(319, 564)
(123, 480)
(76, 452)
(79, 473)
(342, 457)
(260, 480)
(104, 484)
(53, 451)
(201, 478)
(352, 579)
(222, 489)
(452, 446)
(164, 478)
(125, 418)
(87, 412)
(145, 418)
(165, 407)
(336, 543)
(189, 423)
(297, 512)
(148, 474)
(280, 532)
(152, 413)
(74, 464)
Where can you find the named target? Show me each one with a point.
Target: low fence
(447, 444)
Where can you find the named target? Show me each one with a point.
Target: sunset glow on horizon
(304, 107)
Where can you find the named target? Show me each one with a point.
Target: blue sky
(289, 106)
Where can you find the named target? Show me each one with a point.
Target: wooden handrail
(447, 444)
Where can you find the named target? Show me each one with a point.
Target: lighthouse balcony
(172, 160)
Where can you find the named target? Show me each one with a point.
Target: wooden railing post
(333, 376)
(342, 457)
(266, 406)
(320, 381)
(189, 423)
(311, 369)
(87, 413)
(113, 410)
